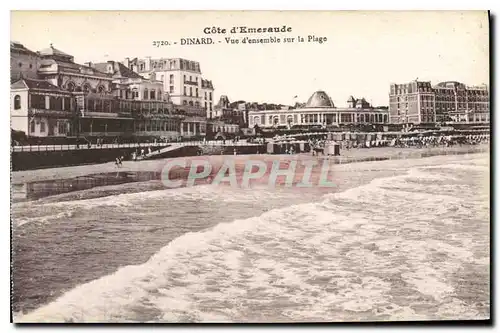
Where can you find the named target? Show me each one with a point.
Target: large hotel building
(419, 102)
(53, 96)
(181, 78)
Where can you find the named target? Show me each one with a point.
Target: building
(412, 103)
(182, 80)
(419, 102)
(23, 62)
(41, 109)
(97, 100)
(129, 85)
(458, 103)
(319, 111)
(60, 69)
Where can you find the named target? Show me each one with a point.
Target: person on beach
(118, 162)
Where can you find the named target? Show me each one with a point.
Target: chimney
(88, 64)
(126, 62)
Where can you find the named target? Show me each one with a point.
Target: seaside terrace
(320, 111)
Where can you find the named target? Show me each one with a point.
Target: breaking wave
(394, 249)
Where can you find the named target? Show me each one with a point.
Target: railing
(45, 148)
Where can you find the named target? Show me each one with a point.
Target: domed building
(320, 100)
(320, 111)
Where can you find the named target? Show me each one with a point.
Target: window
(205, 95)
(42, 127)
(17, 102)
(197, 92)
(205, 105)
(20, 64)
(185, 91)
(31, 66)
(152, 94)
(184, 102)
(100, 89)
(171, 78)
(32, 127)
(161, 77)
(210, 96)
(210, 106)
(86, 88)
(145, 94)
(185, 78)
(171, 89)
(190, 79)
(190, 91)
(70, 86)
(190, 103)
(61, 128)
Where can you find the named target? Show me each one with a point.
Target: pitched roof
(34, 84)
(71, 65)
(53, 51)
(119, 70)
(18, 47)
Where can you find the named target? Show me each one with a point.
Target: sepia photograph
(250, 166)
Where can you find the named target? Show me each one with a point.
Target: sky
(364, 52)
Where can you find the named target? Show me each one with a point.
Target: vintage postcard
(250, 166)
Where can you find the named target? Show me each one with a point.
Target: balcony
(192, 83)
(50, 113)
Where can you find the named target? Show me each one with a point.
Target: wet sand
(347, 156)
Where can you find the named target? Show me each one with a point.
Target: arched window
(135, 93)
(100, 89)
(145, 93)
(86, 88)
(17, 102)
(70, 86)
(191, 103)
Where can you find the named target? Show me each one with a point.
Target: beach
(398, 237)
(347, 156)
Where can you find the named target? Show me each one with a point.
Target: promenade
(41, 148)
(347, 156)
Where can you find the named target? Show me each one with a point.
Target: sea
(395, 240)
